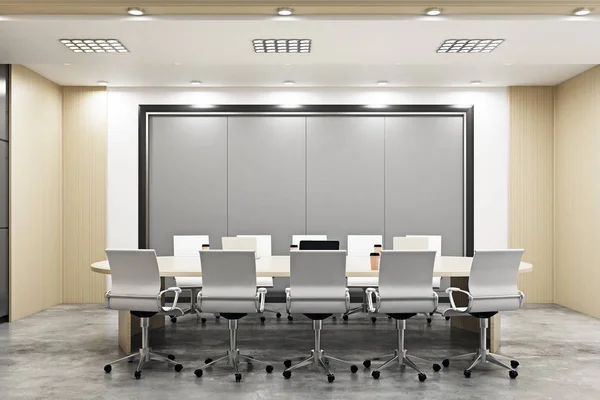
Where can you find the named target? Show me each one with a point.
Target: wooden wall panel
(531, 204)
(35, 193)
(84, 192)
(577, 194)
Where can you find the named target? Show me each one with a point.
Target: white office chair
(404, 291)
(492, 288)
(422, 242)
(188, 246)
(296, 239)
(136, 288)
(317, 290)
(362, 245)
(262, 247)
(229, 288)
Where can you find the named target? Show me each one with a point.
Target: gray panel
(3, 272)
(345, 176)
(187, 179)
(3, 184)
(3, 102)
(424, 179)
(266, 178)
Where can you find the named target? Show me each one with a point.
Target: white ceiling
(346, 51)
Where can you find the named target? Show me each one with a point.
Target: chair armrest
(261, 295)
(450, 292)
(288, 300)
(369, 293)
(174, 307)
(347, 299)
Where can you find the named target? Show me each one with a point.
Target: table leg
(471, 324)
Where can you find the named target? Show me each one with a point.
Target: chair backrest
(405, 281)
(495, 273)
(318, 281)
(188, 245)
(133, 273)
(362, 245)
(411, 243)
(263, 244)
(435, 242)
(240, 243)
(319, 245)
(297, 238)
(228, 281)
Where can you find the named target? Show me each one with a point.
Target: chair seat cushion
(363, 282)
(264, 282)
(188, 282)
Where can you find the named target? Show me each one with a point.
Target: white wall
(491, 143)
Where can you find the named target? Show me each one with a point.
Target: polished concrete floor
(59, 354)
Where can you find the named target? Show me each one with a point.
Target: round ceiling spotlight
(432, 12)
(289, 83)
(102, 83)
(195, 83)
(285, 11)
(581, 11)
(135, 11)
(382, 83)
(475, 83)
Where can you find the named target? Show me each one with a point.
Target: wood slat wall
(35, 193)
(531, 204)
(84, 188)
(577, 194)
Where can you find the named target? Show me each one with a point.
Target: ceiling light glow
(135, 11)
(94, 45)
(195, 83)
(289, 83)
(475, 83)
(282, 45)
(382, 83)
(581, 11)
(285, 11)
(469, 45)
(102, 83)
(432, 12)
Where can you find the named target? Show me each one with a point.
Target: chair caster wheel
(238, 377)
(278, 315)
(198, 373)
(178, 367)
(353, 369)
(513, 374)
(290, 318)
(514, 364)
(428, 320)
(287, 363)
(269, 369)
(173, 319)
(422, 377)
(447, 318)
(287, 374)
(217, 317)
(373, 319)
(137, 374)
(107, 369)
(203, 321)
(389, 317)
(431, 314)
(367, 363)
(262, 320)
(171, 357)
(330, 378)
(345, 317)
(375, 374)
(467, 373)
(436, 367)
(208, 361)
(446, 363)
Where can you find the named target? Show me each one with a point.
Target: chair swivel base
(145, 354)
(233, 358)
(317, 357)
(484, 356)
(399, 358)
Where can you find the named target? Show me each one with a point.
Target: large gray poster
(344, 176)
(424, 179)
(187, 179)
(266, 176)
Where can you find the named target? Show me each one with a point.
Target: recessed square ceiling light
(282, 45)
(469, 45)
(94, 45)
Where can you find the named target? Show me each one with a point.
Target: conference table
(457, 268)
